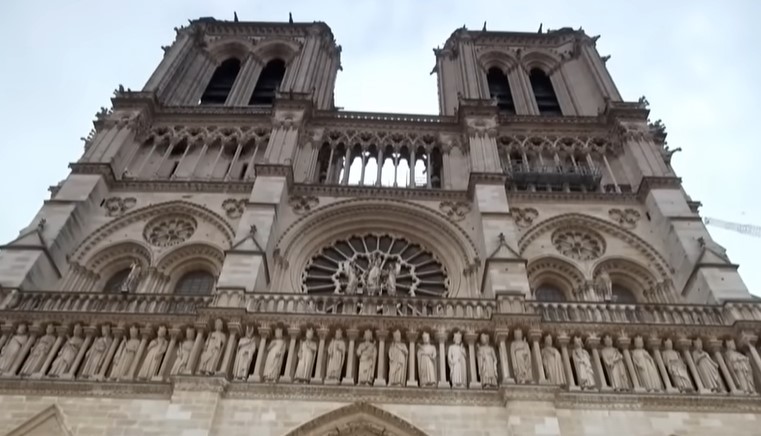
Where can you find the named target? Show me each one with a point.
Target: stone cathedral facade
(233, 255)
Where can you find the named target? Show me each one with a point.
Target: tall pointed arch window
(544, 93)
(268, 83)
(499, 90)
(195, 283)
(221, 82)
(115, 283)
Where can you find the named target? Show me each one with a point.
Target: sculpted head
(368, 335)
(250, 331)
(668, 344)
(731, 344)
(698, 344)
(278, 333)
(639, 343)
(162, 332)
(339, 334)
(518, 334)
(458, 338)
(77, 330)
(485, 338)
(218, 325)
(548, 340)
(608, 341)
(310, 333)
(133, 332)
(426, 338)
(397, 336)
(21, 329)
(50, 329)
(577, 342)
(105, 330)
(190, 333)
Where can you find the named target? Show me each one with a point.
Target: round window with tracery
(168, 231)
(375, 265)
(578, 244)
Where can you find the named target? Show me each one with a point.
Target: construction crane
(746, 229)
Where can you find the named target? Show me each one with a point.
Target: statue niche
(374, 265)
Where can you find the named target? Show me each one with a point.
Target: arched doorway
(358, 419)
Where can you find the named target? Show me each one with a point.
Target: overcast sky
(696, 61)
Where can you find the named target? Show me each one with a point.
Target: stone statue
(336, 356)
(393, 272)
(130, 283)
(487, 363)
(583, 364)
(615, 366)
(97, 353)
(244, 355)
(126, 354)
(154, 355)
(12, 348)
(553, 362)
(212, 352)
(40, 352)
(373, 279)
(457, 358)
(397, 360)
(66, 355)
(739, 364)
(521, 354)
(273, 364)
(676, 368)
(645, 367)
(307, 354)
(707, 368)
(352, 278)
(367, 356)
(604, 286)
(182, 359)
(426, 361)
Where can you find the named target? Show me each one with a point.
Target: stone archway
(358, 419)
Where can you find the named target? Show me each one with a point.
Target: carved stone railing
(98, 302)
(371, 306)
(571, 312)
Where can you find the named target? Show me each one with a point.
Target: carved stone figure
(182, 360)
(373, 280)
(583, 364)
(604, 286)
(66, 355)
(645, 366)
(521, 354)
(707, 368)
(154, 355)
(739, 364)
(244, 354)
(487, 362)
(397, 360)
(97, 353)
(336, 355)
(273, 364)
(212, 352)
(126, 354)
(130, 283)
(352, 278)
(393, 272)
(457, 358)
(40, 352)
(553, 362)
(307, 353)
(426, 361)
(676, 368)
(12, 348)
(614, 365)
(367, 357)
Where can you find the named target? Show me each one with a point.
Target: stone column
(380, 380)
(470, 339)
(563, 340)
(293, 334)
(504, 364)
(412, 367)
(684, 345)
(350, 357)
(322, 333)
(655, 346)
(715, 346)
(623, 343)
(61, 331)
(264, 333)
(534, 335)
(441, 337)
(90, 331)
(7, 332)
(34, 331)
(749, 340)
(118, 333)
(196, 351)
(593, 343)
(174, 334)
(146, 333)
(233, 328)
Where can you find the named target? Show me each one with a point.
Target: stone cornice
(211, 186)
(377, 192)
(81, 388)
(530, 197)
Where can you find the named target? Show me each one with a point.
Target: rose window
(578, 244)
(169, 231)
(375, 265)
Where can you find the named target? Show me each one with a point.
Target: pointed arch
(49, 422)
(270, 48)
(362, 418)
(542, 60)
(627, 274)
(557, 272)
(230, 47)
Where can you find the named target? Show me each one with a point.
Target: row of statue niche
(27, 357)
(381, 276)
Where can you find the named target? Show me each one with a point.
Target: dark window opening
(622, 295)
(221, 82)
(174, 169)
(546, 100)
(243, 170)
(549, 293)
(195, 283)
(268, 83)
(115, 283)
(499, 90)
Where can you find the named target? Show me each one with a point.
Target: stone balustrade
(628, 313)
(98, 302)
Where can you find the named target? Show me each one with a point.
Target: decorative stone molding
(524, 217)
(626, 218)
(456, 210)
(234, 207)
(167, 231)
(303, 204)
(116, 206)
(578, 244)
